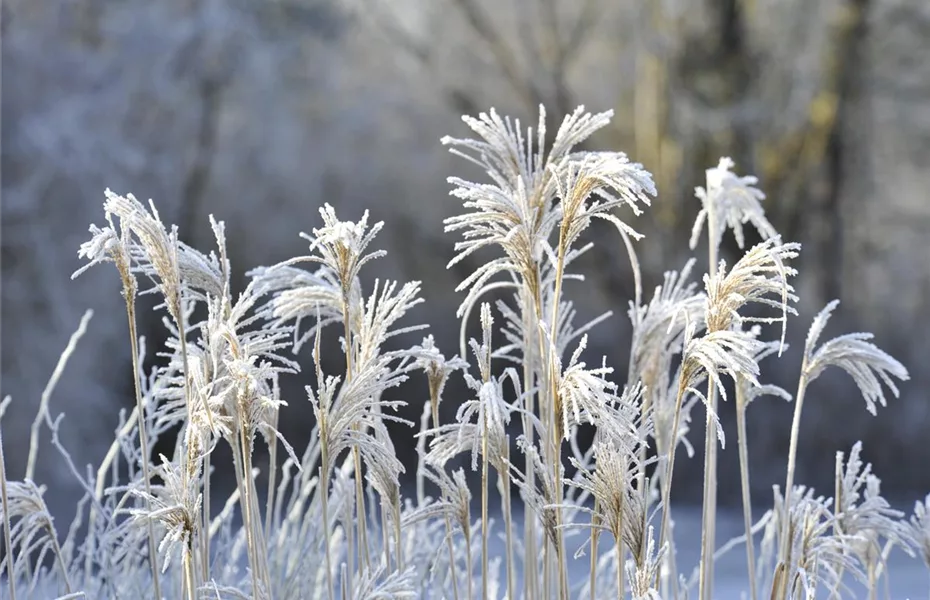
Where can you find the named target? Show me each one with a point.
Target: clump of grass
(336, 521)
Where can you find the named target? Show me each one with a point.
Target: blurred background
(258, 111)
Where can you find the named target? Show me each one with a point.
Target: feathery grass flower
(756, 277)
(862, 512)
(868, 365)
(175, 504)
(731, 201)
(920, 528)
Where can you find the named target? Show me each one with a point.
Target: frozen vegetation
(536, 512)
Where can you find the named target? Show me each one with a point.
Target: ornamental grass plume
(919, 524)
(341, 246)
(155, 249)
(644, 571)
(864, 515)
(867, 364)
(437, 369)
(620, 509)
(514, 212)
(518, 211)
(761, 277)
(175, 505)
(298, 295)
(588, 397)
(34, 530)
(728, 202)
(659, 328)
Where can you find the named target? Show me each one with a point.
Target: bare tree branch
(506, 60)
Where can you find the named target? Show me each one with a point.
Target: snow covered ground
(909, 580)
(909, 577)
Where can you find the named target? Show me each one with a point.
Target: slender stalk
(563, 568)
(42, 414)
(667, 584)
(484, 509)
(595, 534)
(619, 559)
(530, 559)
(779, 582)
(324, 500)
(545, 414)
(838, 483)
(246, 501)
(669, 469)
(795, 428)
(347, 333)
(792, 458)
(205, 529)
(708, 512)
(556, 428)
(356, 454)
(451, 548)
(187, 395)
(189, 585)
(709, 507)
(350, 553)
(265, 573)
(787, 563)
(398, 539)
(621, 552)
(52, 534)
(421, 452)
(361, 516)
(484, 492)
(178, 314)
(468, 565)
(744, 483)
(547, 569)
(129, 296)
(434, 406)
(272, 469)
(7, 535)
(508, 523)
(385, 539)
(346, 592)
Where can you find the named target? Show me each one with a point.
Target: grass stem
(785, 550)
(7, 536)
(484, 509)
(324, 501)
(508, 523)
(129, 295)
(742, 440)
(670, 469)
